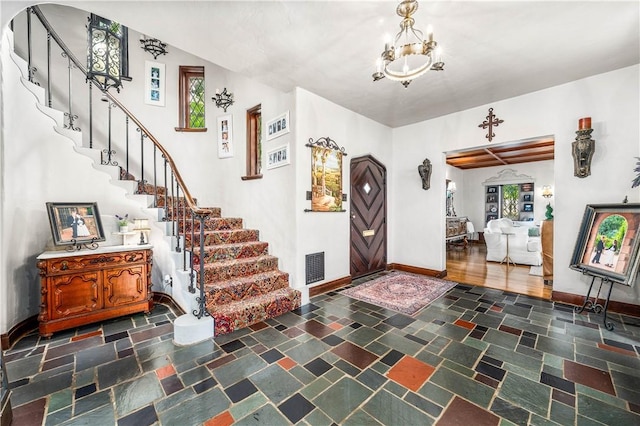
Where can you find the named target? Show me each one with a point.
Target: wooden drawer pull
(64, 266)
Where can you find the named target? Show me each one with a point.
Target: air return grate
(314, 267)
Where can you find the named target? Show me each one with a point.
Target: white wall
(611, 99)
(329, 231)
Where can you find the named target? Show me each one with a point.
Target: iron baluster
(141, 181)
(72, 117)
(184, 234)
(166, 192)
(48, 69)
(90, 114)
(173, 213)
(202, 311)
(126, 143)
(108, 152)
(192, 274)
(155, 176)
(30, 69)
(177, 218)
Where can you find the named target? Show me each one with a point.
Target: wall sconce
(142, 226)
(104, 55)
(546, 191)
(451, 189)
(153, 46)
(223, 100)
(424, 170)
(583, 148)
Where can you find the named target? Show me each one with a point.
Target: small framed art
(278, 157)
(225, 136)
(278, 126)
(154, 83)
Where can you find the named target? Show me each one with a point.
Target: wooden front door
(368, 216)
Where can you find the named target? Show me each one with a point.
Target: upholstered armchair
(524, 242)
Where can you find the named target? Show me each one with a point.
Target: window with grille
(191, 90)
(510, 198)
(254, 143)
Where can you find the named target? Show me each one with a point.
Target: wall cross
(491, 121)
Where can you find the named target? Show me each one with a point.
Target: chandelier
(411, 54)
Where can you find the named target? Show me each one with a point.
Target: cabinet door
(74, 294)
(125, 285)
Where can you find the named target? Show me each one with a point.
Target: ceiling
(493, 50)
(525, 151)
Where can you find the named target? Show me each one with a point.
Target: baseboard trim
(19, 330)
(166, 299)
(614, 306)
(417, 270)
(329, 286)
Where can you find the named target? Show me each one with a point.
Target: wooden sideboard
(456, 228)
(82, 287)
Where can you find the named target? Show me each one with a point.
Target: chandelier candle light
(411, 54)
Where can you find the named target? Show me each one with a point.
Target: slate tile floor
(476, 356)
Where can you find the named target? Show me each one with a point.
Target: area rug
(536, 270)
(400, 291)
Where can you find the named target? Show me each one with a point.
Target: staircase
(242, 282)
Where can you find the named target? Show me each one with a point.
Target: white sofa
(523, 249)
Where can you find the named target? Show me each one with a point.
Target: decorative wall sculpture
(583, 148)
(425, 173)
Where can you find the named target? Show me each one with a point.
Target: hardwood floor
(469, 266)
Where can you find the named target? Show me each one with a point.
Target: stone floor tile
(466, 387)
(267, 415)
(296, 407)
(588, 376)
(605, 413)
(357, 356)
(525, 393)
(340, 399)
(461, 412)
(410, 373)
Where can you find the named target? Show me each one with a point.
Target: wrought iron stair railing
(169, 186)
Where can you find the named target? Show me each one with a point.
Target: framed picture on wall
(278, 157)
(528, 207)
(526, 197)
(492, 198)
(225, 136)
(492, 189)
(154, 83)
(526, 187)
(278, 126)
(607, 245)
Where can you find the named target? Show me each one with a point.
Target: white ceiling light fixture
(411, 54)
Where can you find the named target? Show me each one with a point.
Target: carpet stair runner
(243, 284)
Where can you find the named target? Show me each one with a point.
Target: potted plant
(123, 222)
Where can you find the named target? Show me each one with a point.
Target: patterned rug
(400, 291)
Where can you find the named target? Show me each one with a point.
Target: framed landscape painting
(607, 244)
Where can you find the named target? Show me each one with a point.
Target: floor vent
(314, 267)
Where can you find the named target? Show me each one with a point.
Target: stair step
(241, 314)
(223, 292)
(223, 252)
(212, 224)
(236, 268)
(229, 236)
